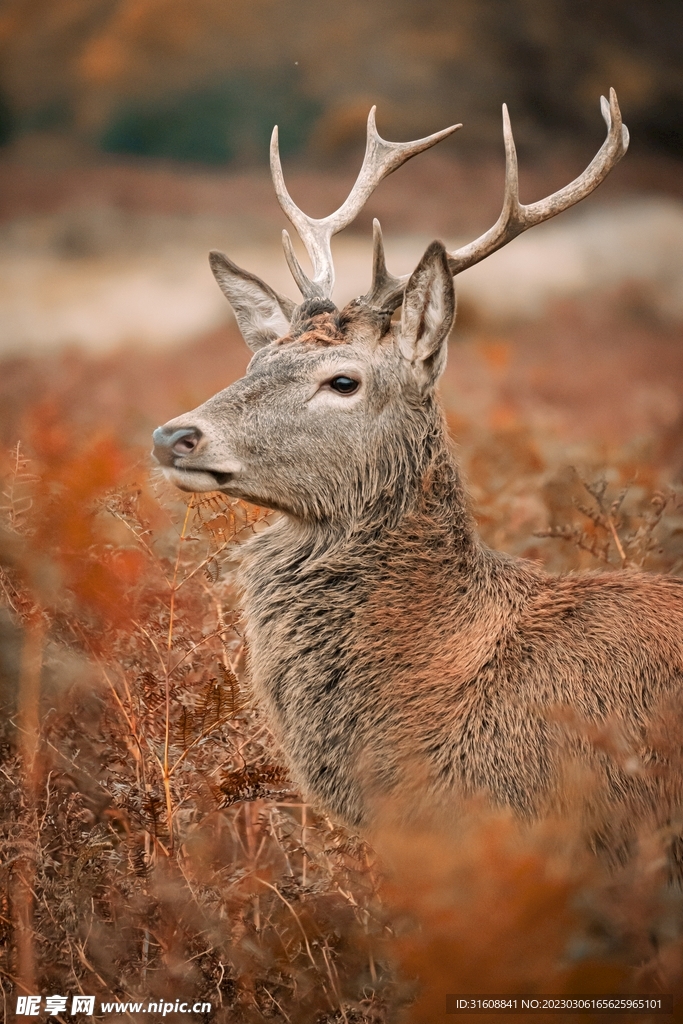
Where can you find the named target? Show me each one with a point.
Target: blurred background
(134, 138)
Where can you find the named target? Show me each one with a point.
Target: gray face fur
(283, 437)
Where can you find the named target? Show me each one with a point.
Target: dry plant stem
(275, 1002)
(29, 737)
(366, 923)
(141, 540)
(16, 982)
(136, 750)
(202, 565)
(4, 582)
(29, 699)
(617, 542)
(15, 506)
(303, 844)
(334, 978)
(174, 581)
(195, 647)
(167, 682)
(252, 859)
(89, 967)
(294, 915)
(274, 832)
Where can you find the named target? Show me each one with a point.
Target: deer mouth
(197, 479)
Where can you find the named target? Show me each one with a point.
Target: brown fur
(322, 329)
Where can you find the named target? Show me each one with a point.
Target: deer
(384, 637)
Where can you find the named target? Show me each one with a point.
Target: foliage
(214, 124)
(426, 63)
(147, 826)
(150, 842)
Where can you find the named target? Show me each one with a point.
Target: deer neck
(412, 563)
(343, 626)
(412, 499)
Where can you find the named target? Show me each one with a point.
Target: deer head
(336, 407)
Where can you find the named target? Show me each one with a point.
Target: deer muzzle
(171, 445)
(174, 450)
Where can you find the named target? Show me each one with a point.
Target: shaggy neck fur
(350, 623)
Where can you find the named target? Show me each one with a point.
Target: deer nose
(171, 444)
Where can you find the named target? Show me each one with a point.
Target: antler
(515, 218)
(387, 291)
(381, 158)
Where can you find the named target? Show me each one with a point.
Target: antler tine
(309, 289)
(381, 158)
(386, 291)
(515, 217)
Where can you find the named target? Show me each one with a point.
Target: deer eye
(344, 385)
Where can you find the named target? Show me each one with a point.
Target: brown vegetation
(151, 846)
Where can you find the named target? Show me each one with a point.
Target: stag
(384, 637)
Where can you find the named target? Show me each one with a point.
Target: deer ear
(428, 314)
(262, 315)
